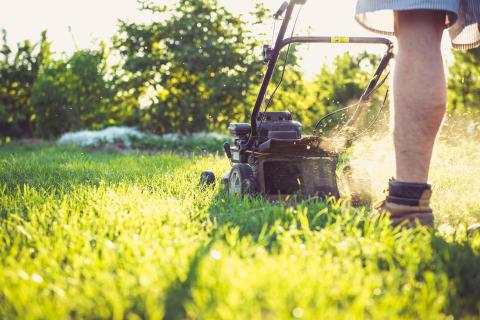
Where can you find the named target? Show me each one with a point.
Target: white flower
(108, 136)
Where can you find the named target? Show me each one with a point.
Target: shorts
(462, 17)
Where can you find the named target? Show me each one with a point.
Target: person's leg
(420, 91)
(420, 96)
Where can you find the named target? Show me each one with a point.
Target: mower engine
(283, 162)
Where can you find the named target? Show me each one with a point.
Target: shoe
(407, 204)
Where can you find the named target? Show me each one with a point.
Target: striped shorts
(462, 17)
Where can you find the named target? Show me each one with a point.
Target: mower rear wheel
(241, 181)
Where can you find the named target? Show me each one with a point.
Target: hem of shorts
(379, 31)
(456, 46)
(450, 6)
(466, 46)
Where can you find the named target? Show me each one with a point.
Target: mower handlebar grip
(281, 11)
(285, 5)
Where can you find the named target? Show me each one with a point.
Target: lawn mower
(269, 156)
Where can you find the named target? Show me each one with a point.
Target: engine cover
(278, 125)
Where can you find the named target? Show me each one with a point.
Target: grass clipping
(454, 175)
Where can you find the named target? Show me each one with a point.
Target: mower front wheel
(207, 179)
(241, 181)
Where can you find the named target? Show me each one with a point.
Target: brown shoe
(407, 204)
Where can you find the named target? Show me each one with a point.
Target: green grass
(129, 236)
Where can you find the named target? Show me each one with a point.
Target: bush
(197, 142)
(194, 71)
(73, 94)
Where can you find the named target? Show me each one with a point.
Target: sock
(409, 194)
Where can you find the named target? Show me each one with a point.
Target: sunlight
(317, 18)
(91, 21)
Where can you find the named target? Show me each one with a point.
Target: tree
(194, 70)
(464, 81)
(293, 94)
(19, 69)
(341, 85)
(73, 94)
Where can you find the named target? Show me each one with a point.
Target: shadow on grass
(461, 263)
(262, 220)
(180, 291)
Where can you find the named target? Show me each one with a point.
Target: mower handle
(339, 40)
(287, 9)
(272, 63)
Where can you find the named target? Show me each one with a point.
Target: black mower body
(283, 163)
(269, 155)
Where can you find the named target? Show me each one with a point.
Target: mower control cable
(373, 121)
(285, 63)
(268, 54)
(363, 99)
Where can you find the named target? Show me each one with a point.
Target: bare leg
(420, 93)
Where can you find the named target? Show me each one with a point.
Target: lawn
(89, 234)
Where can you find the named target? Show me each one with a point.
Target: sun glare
(317, 18)
(80, 24)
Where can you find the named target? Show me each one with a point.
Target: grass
(130, 236)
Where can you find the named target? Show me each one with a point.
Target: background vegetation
(195, 68)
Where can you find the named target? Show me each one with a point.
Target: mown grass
(129, 236)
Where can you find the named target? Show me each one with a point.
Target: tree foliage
(73, 95)
(293, 91)
(340, 85)
(19, 68)
(464, 81)
(196, 67)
